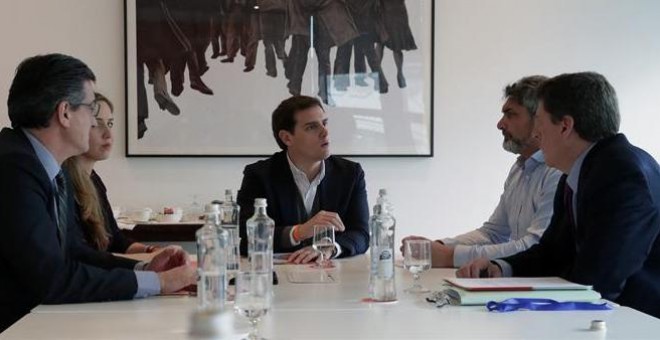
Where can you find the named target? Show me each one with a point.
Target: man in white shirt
(525, 207)
(305, 186)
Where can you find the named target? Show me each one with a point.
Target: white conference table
(330, 311)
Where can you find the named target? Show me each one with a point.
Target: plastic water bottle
(260, 230)
(229, 215)
(381, 228)
(212, 242)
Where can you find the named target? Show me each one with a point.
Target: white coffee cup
(117, 211)
(141, 215)
(174, 217)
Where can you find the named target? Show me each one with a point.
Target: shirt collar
(532, 162)
(574, 174)
(46, 158)
(301, 174)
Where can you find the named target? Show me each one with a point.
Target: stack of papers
(316, 276)
(481, 291)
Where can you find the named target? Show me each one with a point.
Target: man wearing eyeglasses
(51, 107)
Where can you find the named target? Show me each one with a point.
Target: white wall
(480, 46)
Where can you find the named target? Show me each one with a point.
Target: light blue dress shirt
(572, 181)
(148, 282)
(520, 218)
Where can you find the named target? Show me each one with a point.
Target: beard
(513, 145)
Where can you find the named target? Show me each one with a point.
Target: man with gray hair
(606, 224)
(525, 206)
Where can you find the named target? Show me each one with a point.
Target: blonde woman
(97, 222)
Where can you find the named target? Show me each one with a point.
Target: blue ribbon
(511, 305)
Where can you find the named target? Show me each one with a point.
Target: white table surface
(330, 311)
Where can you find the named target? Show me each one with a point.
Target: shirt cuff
(461, 255)
(291, 239)
(142, 265)
(148, 284)
(337, 251)
(507, 271)
(448, 241)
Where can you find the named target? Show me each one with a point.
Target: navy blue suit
(615, 246)
(342, 190)
(34, 268)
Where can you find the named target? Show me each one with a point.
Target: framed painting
(203, 77)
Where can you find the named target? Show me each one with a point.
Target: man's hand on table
(168, 258)
(481, 267)
(304, 255)
(442, 256)
(178, 278)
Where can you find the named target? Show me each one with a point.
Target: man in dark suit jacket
(604, 231)
(51, 107)
(305, 186)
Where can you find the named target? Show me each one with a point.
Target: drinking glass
(417, 259)
(253, 298)
(324, 244)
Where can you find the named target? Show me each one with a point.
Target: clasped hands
(174, 269)
(306, 230)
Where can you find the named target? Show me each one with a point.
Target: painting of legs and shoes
(203, 77)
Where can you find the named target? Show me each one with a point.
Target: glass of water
(253, 298)
(417, 259)
(324, 244)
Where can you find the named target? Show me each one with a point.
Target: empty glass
(417, 259)
(253, 298)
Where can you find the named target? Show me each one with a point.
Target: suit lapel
(24, 142)
(285, 189)
(326, 186)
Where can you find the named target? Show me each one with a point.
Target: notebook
(468, 292)
(516, 284)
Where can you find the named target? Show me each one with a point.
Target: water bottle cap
(382, 192)
(228, 192)
(598, 325)
(260, 202)
(212, 208)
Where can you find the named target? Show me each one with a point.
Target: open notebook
(481, 291)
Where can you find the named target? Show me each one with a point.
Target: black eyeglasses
(93, 107)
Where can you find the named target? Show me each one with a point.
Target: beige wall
(480, 46)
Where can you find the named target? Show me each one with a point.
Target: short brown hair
(283, 116)
(587, 97)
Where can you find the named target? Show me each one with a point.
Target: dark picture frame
(204, 80)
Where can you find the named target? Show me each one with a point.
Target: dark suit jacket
(118, 242)
(342, 190)
(34, 268)
(79, 239)
(615, 246)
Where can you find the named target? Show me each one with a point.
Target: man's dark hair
(41, 83)
(587, 97)
(283, 116)
(525, 92)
